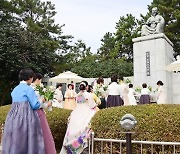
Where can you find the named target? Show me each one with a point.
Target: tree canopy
(119, 44)
(29, 37)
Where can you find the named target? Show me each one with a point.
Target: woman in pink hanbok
(46, 131)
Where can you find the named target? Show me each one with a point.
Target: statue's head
(154, 11)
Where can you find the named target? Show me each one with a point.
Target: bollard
(128, 122)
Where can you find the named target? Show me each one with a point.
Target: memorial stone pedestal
(151, 54)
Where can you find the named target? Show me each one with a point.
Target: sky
(89, 20)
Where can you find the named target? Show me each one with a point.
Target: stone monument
(152, 52)
(154, 25)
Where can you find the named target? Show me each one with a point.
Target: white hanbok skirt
(78, 131)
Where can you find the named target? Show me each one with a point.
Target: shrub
(155, 123)
(57, 120)
(3, 112)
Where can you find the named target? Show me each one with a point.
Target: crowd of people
(26, 127)
(116, 93)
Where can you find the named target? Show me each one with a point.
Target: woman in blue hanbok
(22, 131)
(78, 130)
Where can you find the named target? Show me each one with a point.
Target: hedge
(155, 123)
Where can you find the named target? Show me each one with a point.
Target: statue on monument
(154, 25)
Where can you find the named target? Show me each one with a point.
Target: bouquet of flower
(105, 88)
(40, 89)
(138, 89)
(150, 88)
(47, 93)
(155, 90)
(98, 91)
(127, 81)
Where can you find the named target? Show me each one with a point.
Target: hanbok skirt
(126, 100)
(144, 99)
(70, 103)
(114, 100)
(48, 138)
(22, 131)
(132, 100)
(78, 130)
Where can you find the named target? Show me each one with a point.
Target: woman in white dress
(161, 95)
(78, 130)
(132, 100)
(58, 97)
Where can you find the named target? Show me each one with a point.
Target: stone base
(151, 54)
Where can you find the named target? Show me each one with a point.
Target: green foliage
(28, 38)
(127, 81)
(58, 119)
(138, 89)
(150, 88)
(107, 46)
(91, 67)
(3, 113)
(5, 95)
(155, 123)
(126, 29)
(119, 44)
(46, 91)
(73, 55)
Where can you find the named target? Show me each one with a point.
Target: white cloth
(124, 93)
(79, 123)
(161, 95)
(132, 100)
(114, 89)
(58, 95)
(145, 91)
(58, 99)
